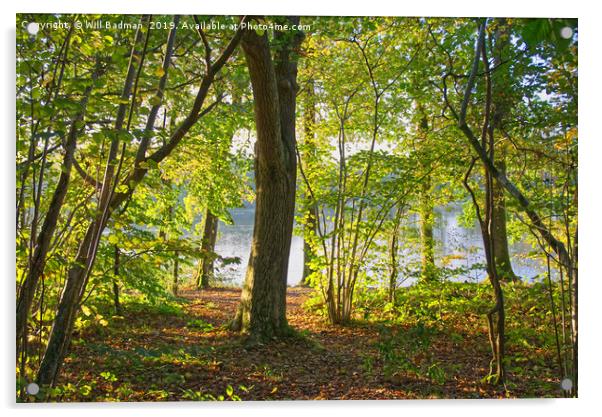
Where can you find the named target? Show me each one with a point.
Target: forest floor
(189, 354)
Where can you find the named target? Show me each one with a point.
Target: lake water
(462, 247)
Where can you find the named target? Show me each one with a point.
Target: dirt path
(162, 355)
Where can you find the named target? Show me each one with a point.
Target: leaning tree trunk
(77, 275)
(62, 326)
(36, 268)
(60, 334)
(497, 312)
(262, 309)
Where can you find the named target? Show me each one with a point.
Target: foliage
(384, 105)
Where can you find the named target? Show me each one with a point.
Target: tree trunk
(497, 330)
(500, 234)
(285, 67)
(393, 249)
(427, 241)
(176, 272)
(77, 275)
(557, 246)
(309, 229)
(36, 268)
(116, 267)
(501, 106)
(262, 309)
(62, 326)
(425, 204)
(205, 269)
(574, 318)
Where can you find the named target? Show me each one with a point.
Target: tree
(262, 309)
(112, 196)
(484, 152)
(205, 268)
(132, 146)
(309, 223)
(425, 206)
(501, 101)
(37, 264)
(355, 191)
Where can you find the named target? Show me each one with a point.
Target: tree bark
(38, 262)
(205, 271)
(77, 276)
(262, 309)
(427, 241)
(75, 283)
(176, 273)
(309, 229)
(501, 105)
(116, 268)
(426, 208)
(500, 234)
(286, 78)
(393, 249)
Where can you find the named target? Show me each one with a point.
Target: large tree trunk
(205, 270)
(262, 309)
(286, 79)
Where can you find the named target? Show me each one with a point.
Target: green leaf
(155, 100)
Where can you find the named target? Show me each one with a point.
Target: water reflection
(456, 247)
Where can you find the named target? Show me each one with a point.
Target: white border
(589, 210)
